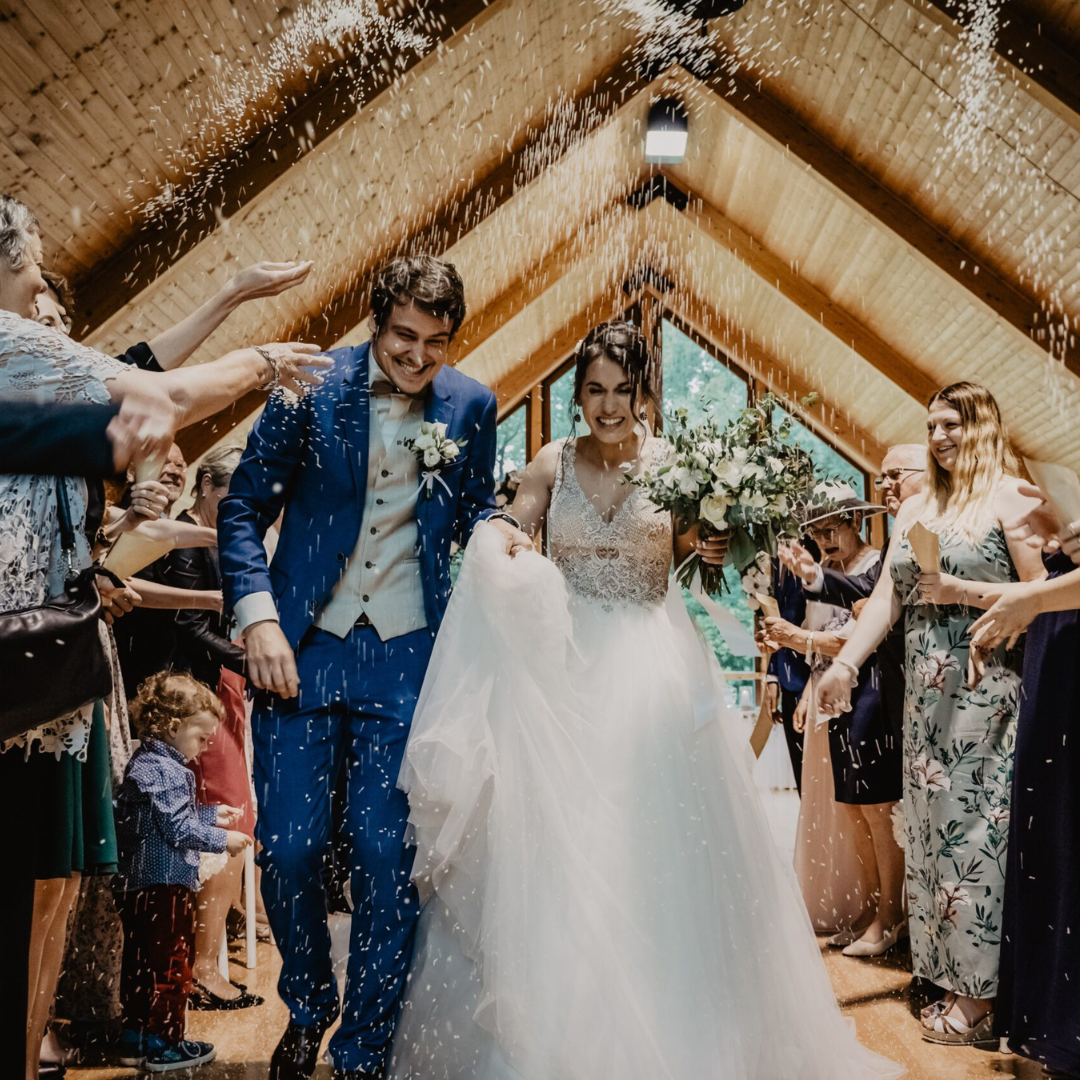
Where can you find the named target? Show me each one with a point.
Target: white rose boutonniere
(433, 451)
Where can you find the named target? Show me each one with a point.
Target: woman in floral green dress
(958, 739)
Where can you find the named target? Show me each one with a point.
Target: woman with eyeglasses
(958, 740)
(848, 863)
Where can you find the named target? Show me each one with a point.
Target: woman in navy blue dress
(1038, 1004)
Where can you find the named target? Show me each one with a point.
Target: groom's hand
(515, 539)
(271, 664)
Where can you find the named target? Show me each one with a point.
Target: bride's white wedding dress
(602, 897)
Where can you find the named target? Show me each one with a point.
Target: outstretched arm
(205, 389)
(879, 615)
(534, 495)
(173, 346)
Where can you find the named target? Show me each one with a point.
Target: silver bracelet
(275, 368)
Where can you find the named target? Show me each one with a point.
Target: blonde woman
(958, 741)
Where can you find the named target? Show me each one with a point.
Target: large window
(558, 397)
(510, 450)
(828, 461)
(695, 380)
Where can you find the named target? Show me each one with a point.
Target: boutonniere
(433, 451)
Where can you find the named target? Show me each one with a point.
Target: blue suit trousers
(350, 724)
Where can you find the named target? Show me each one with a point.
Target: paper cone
(927, 548)
(762, 727)
(1061, 487)
(770, 609)
(132, 552)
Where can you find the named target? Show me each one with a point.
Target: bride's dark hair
(624, 344)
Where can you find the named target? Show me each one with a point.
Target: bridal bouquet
(744, 479)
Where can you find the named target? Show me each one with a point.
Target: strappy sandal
(952, 1031)
(936, 1008)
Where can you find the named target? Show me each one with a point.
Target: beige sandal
(936, 1008)
(952, 1031)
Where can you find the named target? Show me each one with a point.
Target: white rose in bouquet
(729, 473)
(424, 441)
(432, 457)
(713, 510)
(685, 479)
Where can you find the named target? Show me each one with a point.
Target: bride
(602, 898)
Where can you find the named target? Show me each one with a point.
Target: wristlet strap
(67, 530)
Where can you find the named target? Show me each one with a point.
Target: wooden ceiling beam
(783, 130)
(1045, 70)
(821, 308)
(512, 389)
(342, 89)
(457, 217)
(756, 361)
(530, 285)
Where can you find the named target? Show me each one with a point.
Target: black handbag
(52, 659)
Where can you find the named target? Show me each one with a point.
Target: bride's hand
(833, 691)
(514, 539)
(712, 549)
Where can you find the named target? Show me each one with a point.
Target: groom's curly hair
(433, 285)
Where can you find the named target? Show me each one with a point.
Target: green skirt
(72, 803)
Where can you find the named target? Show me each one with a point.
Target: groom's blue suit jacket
(311, 458)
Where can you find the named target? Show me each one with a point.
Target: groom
(338, 633)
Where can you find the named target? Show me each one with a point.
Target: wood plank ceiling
(833, 240)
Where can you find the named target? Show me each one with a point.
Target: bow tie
(385, 388)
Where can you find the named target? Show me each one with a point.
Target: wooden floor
(875, 993)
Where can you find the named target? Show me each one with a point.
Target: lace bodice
(42, 364)
(622, 561)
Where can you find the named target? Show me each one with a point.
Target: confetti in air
(243, 98)
(979, 99)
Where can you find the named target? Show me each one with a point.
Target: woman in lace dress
(959, 731)
(603, 900)
(55, 790)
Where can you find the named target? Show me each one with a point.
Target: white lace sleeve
(40, 362)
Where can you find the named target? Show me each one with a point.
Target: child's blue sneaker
(164, 1057)
(132, 1048)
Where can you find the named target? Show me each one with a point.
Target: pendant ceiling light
(667, 131)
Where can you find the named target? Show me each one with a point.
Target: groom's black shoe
(298, 1052)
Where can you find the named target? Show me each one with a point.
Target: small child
(160, 831)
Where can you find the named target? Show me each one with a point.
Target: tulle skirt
(602, 897)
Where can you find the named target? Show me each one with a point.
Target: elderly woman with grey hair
(54, 779)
